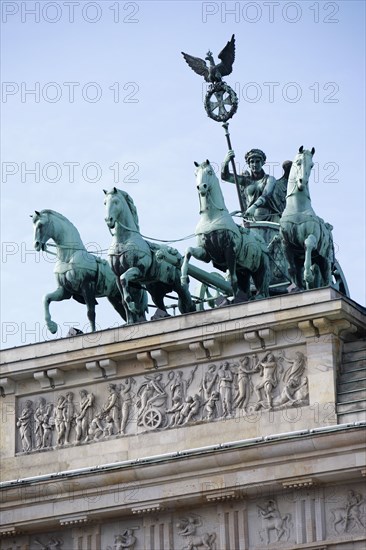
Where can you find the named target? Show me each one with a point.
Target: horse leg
(88, 293)
(57, 296)
(230, 258)
(197, 252)
(131, 275)
(280, 530)
(261, 278)
(294, 270)
(124, 305)
(185, 303)
(310, 244)
(157, 291)
(118, 305)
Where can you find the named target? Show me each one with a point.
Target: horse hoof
(52, 327)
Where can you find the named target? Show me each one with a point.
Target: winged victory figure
(213, 73)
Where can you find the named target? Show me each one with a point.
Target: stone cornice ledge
(319, 440)
(120, 342)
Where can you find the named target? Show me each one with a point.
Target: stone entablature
(187, 384)
(321, 517)
(162, 400)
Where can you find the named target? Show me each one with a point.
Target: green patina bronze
(79, 274)
(307, 239)
(231, 248)
(136, 261)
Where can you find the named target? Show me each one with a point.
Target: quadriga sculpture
(237, 250)
(136, 261)
(79, 274)
(307, 240)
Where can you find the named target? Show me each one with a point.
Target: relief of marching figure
(244, 383)
(42, 424)
(164, 400)
(85, 415)
(351, 516)
(273, 522)
(187, 527)
(24, 423)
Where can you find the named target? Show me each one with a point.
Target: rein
(293, 189)
(149, 238)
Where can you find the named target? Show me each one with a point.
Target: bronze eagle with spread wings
(213, 73)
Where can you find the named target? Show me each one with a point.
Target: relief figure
(112, 407)
(69, 415)
(225, 380)
(244, 383)
(272, 520)
(60, 419)
(85, 415)
(268, 371)
(126, 401)
(24, 423)
(126, 540)
(187, 528)
(349, 517)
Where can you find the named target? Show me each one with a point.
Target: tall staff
(221, 102)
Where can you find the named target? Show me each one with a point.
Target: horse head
(42, 233)
(205, 177)
(111, 203)
(120, 206)
(301, 167)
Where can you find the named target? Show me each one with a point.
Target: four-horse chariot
(299, 255)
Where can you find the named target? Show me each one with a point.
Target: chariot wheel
(152, 418)
(207, 294)
(339, 280)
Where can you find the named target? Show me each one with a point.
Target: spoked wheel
(339, 280)
(152, 418)
(207, 294)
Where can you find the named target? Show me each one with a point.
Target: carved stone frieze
(160, 400)
(229, 519)
(276, 526)
(351, 515)
(187, 528)
(126, 539)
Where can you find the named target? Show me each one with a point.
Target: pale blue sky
(157, 126)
